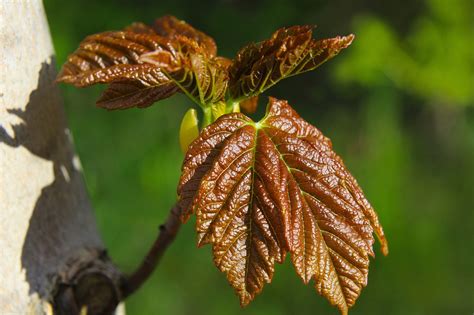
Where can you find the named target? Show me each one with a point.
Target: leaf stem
(232, 107)
(166, 235)
(207, 116)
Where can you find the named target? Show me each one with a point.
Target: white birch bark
(47, 229)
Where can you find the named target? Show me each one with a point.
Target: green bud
(188, 130)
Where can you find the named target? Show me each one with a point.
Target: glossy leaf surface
(148, 63)
(170, 27)
(259, 190)
(288, 52)
(154, 62)
(203, 78)
(262, 189)
(111, 56)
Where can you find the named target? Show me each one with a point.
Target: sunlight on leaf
(288, 52)
(262, 189)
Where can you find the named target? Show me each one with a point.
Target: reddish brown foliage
(259, 190)
(262, 189)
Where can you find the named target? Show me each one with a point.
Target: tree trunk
(51, 252)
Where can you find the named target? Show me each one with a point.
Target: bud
(188, 130)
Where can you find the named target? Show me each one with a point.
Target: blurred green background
(398, 105)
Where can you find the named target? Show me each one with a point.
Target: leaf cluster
(143, 64)
(259, 190)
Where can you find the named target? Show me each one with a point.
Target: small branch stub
(90, 282)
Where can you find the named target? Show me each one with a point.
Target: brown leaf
(262, 189)
(204, 79)
(172, 52)
(249, 105)
(201, 76)
(138, 27)
(145, 62)
(127, 94)
(114, 57)
(170, 27)
(288, 52)
(99, 52)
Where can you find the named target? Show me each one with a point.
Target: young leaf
(100, 57)
(132, 93)
(262, 189)
(249, 105)
(148, 63)
(170, 27)
(114, 57)
(203, 78)
(288, 52)
(138, 27)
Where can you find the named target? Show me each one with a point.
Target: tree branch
(167, 234)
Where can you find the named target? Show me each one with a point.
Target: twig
(166, 235)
